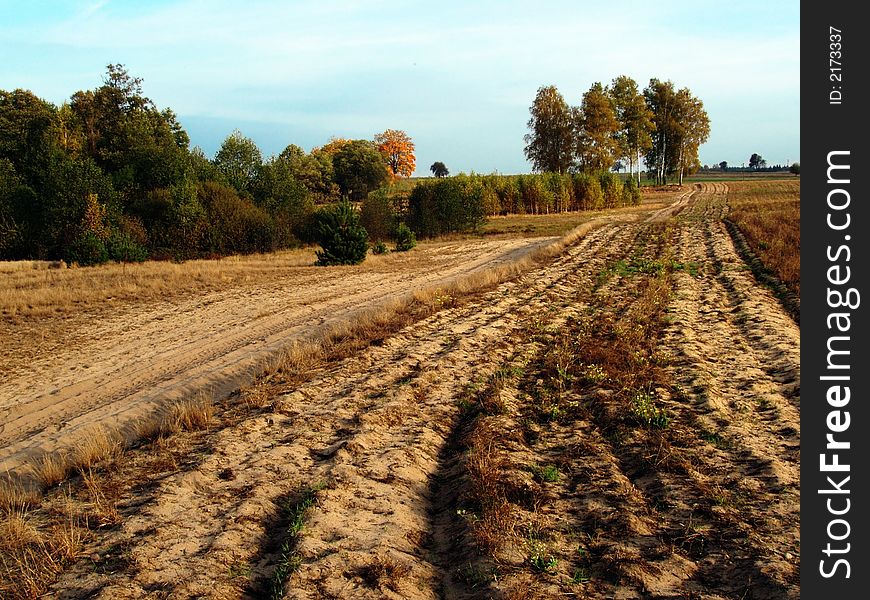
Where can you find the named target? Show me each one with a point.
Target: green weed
(643, 409)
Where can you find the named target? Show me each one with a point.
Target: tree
(693, 129)
(331, 147)
(550, 144)
(723, 165)
(340, 235)
(378, 215)
(398, 152)
(661, 99)
(313, 170)
(277, 190)
(634, 135)
(596, 129)
(359, 169)
(239, 160)
(405, 238)
(140, 147)
(756, 162)
(795, 168)
(28, 137)
(681, 126)
(439, 169)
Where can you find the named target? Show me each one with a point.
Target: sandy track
(376, 434)
(125, 366)
(374, 429)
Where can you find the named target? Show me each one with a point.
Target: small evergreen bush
(342, 239)
(405, 238)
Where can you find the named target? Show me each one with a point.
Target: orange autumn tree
(398, 152)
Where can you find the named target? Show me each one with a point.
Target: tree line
(462, 203)
(110, 176)
(661, 125)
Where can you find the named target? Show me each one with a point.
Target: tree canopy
(551, 144)
(618, 123)
(756, 161)
(439, 169)
(359, 169)
(596, 130)
(110, 176)
(397, 150)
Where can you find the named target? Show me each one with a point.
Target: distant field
(768, 214)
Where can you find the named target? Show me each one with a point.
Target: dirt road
(370, 479)
(121, 367)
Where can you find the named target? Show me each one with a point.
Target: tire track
(389, 408)
(216, 344)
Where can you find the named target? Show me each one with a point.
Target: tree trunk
(680, 163)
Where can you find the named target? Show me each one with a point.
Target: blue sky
(458, 77)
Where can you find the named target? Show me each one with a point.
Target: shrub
(611, 189)
(235, 224)
(451, 205)
(405, 238)
(587, 192)
(123, 248)
(342, 239)
(377, 215)
(379, 248)
(86, 249)
(630, 192)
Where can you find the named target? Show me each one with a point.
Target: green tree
(277, 190)
(692, 131)
(661, 100)
(682, 125)
(378, 215)
(359, 169)
(235, 224)
(795, 168)
(405, 238)
(634, 136)
(450, 205)
(313, 170)
(342, 239)
(596, 130)
(723, 165)
(439, 169)
(239, 160)
(140, 147)
(756, 162)
(550, 143)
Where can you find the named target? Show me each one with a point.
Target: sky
(458, 77)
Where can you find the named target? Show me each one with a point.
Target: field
(767, 213)
(610, 414)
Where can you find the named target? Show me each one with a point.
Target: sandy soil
(377, 443)
(120, 365)
(360, 478)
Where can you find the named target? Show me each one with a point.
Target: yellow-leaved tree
(398, 152)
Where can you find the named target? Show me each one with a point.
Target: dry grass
(190, 415)
(34, 288)
(768, 214)
(98, 446)
(33, 553)
(384, 572)
(50, 469)
(103, 510)
(15, 496)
